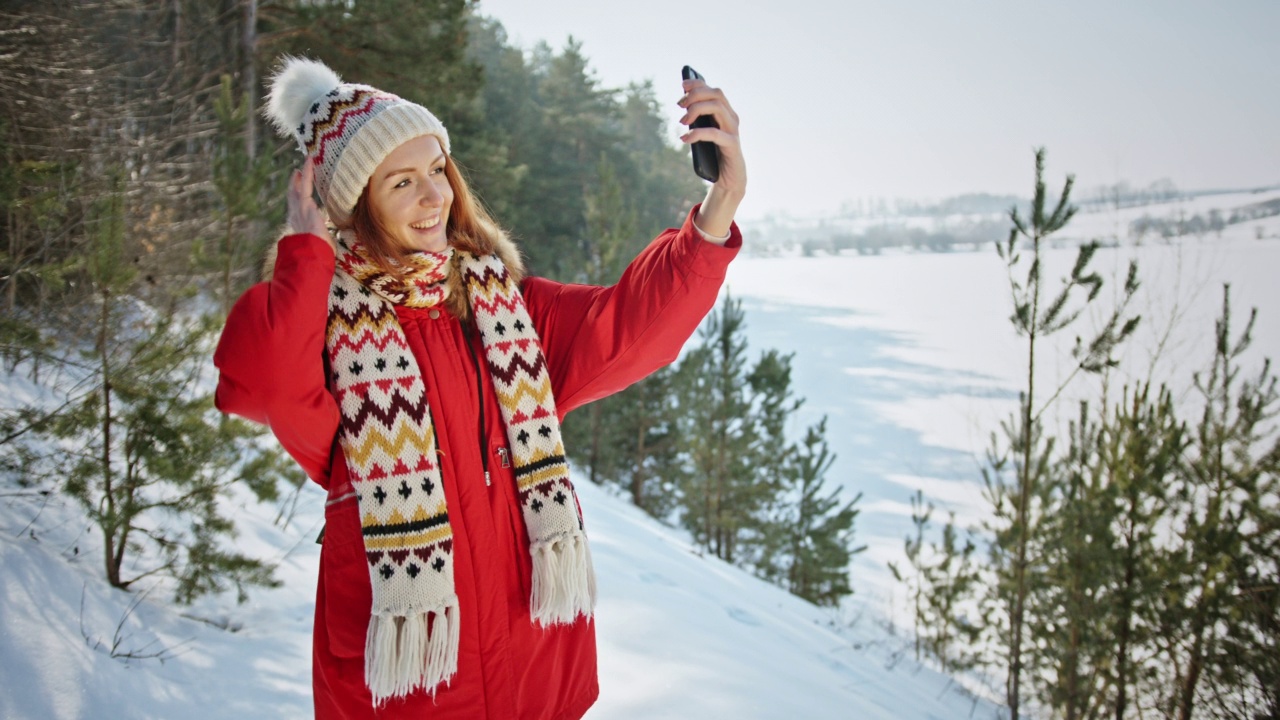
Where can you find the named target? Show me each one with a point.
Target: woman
(415, 373)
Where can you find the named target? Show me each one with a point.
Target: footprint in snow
(742, 616)
(654, 578)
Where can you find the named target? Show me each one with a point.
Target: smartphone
(706, 156)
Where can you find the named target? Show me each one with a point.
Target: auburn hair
(470, 227)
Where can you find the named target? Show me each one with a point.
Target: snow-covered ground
(911, 357)
(681, 635)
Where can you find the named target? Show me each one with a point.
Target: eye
(438, 171)
(402, 183)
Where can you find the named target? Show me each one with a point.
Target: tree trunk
(1187, 693)
(1020, 563)
(637, 473)
(249, 47)
(593, 456)
(1124, 631)
(1073, 661)
(227, 261)
(177, 33)
(109, 550)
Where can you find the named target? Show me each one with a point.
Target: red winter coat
(597, 341)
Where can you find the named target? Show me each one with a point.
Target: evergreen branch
(60, 359)
(1048, 320)
(1063, 213)
(38, 422)
(1019, 228)
(1037, 200)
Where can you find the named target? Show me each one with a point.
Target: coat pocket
(345, 580)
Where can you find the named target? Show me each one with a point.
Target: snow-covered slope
(909, 354)
(681, 635)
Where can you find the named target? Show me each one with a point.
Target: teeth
(426, 225)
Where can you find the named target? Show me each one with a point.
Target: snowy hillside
(681, 636)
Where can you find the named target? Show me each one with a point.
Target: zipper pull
(486, 478)
(504, 456)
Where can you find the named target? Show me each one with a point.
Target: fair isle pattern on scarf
(386, 436)
(563, 583)
(389, 443)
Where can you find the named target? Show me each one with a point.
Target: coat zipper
(484, 440)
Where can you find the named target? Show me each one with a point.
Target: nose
(431, 195)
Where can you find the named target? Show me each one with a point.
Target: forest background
(140, 190)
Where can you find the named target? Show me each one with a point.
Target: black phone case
(706, 156)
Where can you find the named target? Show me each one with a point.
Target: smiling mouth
(427, 225)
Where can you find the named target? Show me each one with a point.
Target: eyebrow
(411, 169)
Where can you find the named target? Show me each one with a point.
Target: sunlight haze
(848, 100)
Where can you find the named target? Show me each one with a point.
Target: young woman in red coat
(414, 372)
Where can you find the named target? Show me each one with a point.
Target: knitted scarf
(390, 447)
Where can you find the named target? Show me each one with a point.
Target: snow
(681, 635)
(909, 354)
(60, 624)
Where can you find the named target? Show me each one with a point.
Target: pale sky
(924, 99)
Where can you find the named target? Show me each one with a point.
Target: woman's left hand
(303, 215)
(717, 211)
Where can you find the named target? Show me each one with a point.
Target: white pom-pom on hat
(295, 86)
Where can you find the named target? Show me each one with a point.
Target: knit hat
(346, 129)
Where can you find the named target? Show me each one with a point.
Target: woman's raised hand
(304, 216)
(723, 197)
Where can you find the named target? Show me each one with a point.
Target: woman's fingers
(693, 83)
(718, 136)
(702, 101)
(724, 115)
(307, 176)
(715, 215)
(303, 215)
(702, 93)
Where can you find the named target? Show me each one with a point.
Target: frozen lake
(913, 360)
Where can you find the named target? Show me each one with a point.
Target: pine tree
(720, 498)
(818, 525)
(1224, 507)
(611, 223)
(748, 494)
(547, 129)
(1019, 503)
(143, 450)
(1141, 448)
(1066, 612)
(916, 583)
(656, 469)
(953, 584)
(240, 179)
(942, 585)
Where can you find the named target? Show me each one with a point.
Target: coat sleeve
(270, 357)
(599, 340)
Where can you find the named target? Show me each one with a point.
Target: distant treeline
(967, 204)
(968, 235)
(1198, 225)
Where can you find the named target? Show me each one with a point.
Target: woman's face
(410, 195)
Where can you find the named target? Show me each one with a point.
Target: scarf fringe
(564, 583)
(405, 653)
